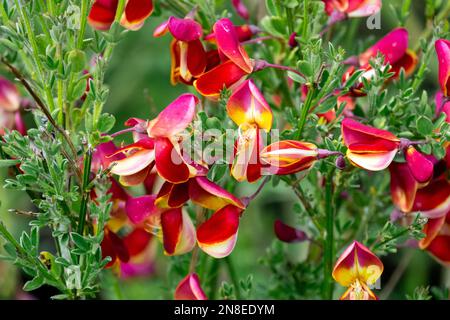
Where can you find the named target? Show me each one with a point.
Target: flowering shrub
(355, 128)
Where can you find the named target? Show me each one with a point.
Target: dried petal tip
(292, 41)
(189, 289)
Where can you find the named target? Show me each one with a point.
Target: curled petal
(289, 156)
(189, 289)
(140, 208)
(102, 159)
(175, 117)
(431, 230)
(403, 186)
(421, 168)
(228, 42)
(161, 29)
(178, 232)
(102, 14)
(392, 46)
(9, 96)
(217, 236)
(357, 263)
(371, 161)
(247, 105)
(443, 54)
(209, 195)
(169, 163)
(287, 233)
(244, 33)
(433, 201)
(172, 195)
(135, 13)
(225, 75)
(192, 59)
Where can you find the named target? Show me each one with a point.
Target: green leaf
(33, 284)
(305, 68)
(80, 241)
(106, 122)
(424, 126)
(8, 163)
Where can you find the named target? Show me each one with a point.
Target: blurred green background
(139, 84)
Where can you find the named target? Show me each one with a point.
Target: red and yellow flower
(437, 238)
(368, 147)
(103, 12)
(352, 8)
(161, 148)
(251, 112)
(358, 268)
(189, 59)
(235, 65)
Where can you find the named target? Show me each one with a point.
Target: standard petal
(225, 75)
(218, 235)
(247, 105)
(9, 96)
(178, 232)
(175, 117)
(184, 29)
(443, 54)
(357, 263)
(355, 133)
(209, 195)
(403, 186)
(392, 46)
(421, 168)
(135, 13)
(228, 43)
(287, 233)
(189, 289)
(140, 208)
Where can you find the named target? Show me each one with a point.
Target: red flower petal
(287, 233)
(189, 289)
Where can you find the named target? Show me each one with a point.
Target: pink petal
(184, 29)
(140, 208)
(9, 96)
(420, 166)
(393, 46)
(189, 289)
(228, 43)
(443, 54)
(175, 117)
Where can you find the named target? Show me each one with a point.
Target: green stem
(305, 111)
(84, 200)
(305, 19)
(328, 239)
(233, 276)
(214, 274)
(83, 16)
